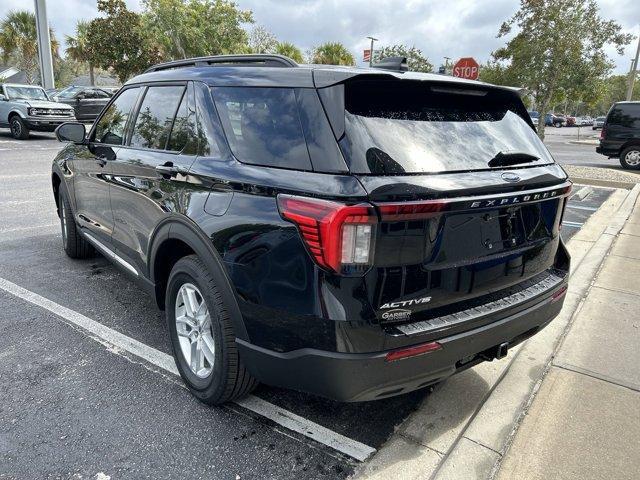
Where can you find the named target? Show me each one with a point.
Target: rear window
(410, 127)
(263, 126)
(625, 115)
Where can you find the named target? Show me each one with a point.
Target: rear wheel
(630, 157)
(74, 244)
(18, 128)
(202, 336)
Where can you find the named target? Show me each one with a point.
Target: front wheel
(75, 246)
(630, 158)
(18, 128)
(202, 335)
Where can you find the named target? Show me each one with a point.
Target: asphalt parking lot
(77, 402)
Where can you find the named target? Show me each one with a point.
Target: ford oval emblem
(510, 177)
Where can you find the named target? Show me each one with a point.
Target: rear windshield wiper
(505, 159)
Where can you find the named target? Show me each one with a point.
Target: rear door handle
(170, 170)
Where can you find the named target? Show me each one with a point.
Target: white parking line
(113, 338)
(572, 224)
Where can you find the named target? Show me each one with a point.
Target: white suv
(27, 107)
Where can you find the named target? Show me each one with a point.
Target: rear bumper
(352, 377)
(609, 149)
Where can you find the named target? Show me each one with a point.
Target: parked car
(551, 120)
(598, 122)
(585, 121)
(535, 117)
(320, 229)
(26, 107)
(87, 102)
(571, 121)
(620, 135)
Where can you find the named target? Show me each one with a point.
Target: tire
(557, 125)
(225, 378)
(19, 130)
(630, 158)
(75, 246)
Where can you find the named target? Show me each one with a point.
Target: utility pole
(371, 57)
(446, 65)
(632, 72)
(44, 45)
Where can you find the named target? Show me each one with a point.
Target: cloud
(455, 28)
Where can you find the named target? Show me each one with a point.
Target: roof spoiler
(396, 64)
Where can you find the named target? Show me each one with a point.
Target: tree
(559, 50)
(196, 28)
(415, 60)
(262, 40)
(332, 53)
(289, 50)
(118, 41)
(79, 49)
(19, 43)
(615, 91)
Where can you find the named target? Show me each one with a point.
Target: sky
(452, 28)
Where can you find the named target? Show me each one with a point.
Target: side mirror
(71, 132)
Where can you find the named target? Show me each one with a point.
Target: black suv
(620, 135)
(352, 233)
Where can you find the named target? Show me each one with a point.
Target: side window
(155, 117)
(100, 93)
(625, 115)
(111, 126)
(263, 126)
(183, 134)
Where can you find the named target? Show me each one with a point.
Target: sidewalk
(584, 422)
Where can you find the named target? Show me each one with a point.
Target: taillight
(339, 237)
(603, 132)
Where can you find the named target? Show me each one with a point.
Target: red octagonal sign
(467, 68)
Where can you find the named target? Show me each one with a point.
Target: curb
(473, 446)
(584, 142)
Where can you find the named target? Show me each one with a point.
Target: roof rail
(396, 64)
(262, 60)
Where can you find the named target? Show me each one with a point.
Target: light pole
(371, 51)
(632, 72)
(44, 45)
(446, 64)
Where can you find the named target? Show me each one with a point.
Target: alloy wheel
(16, 128)
(632, 158)
(195, 334)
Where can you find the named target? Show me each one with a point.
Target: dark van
(620, 135)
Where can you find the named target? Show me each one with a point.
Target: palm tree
(79, 48)
(19, 42)
(289, 50)
(332, 53)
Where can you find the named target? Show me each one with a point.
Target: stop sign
(467, 68)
